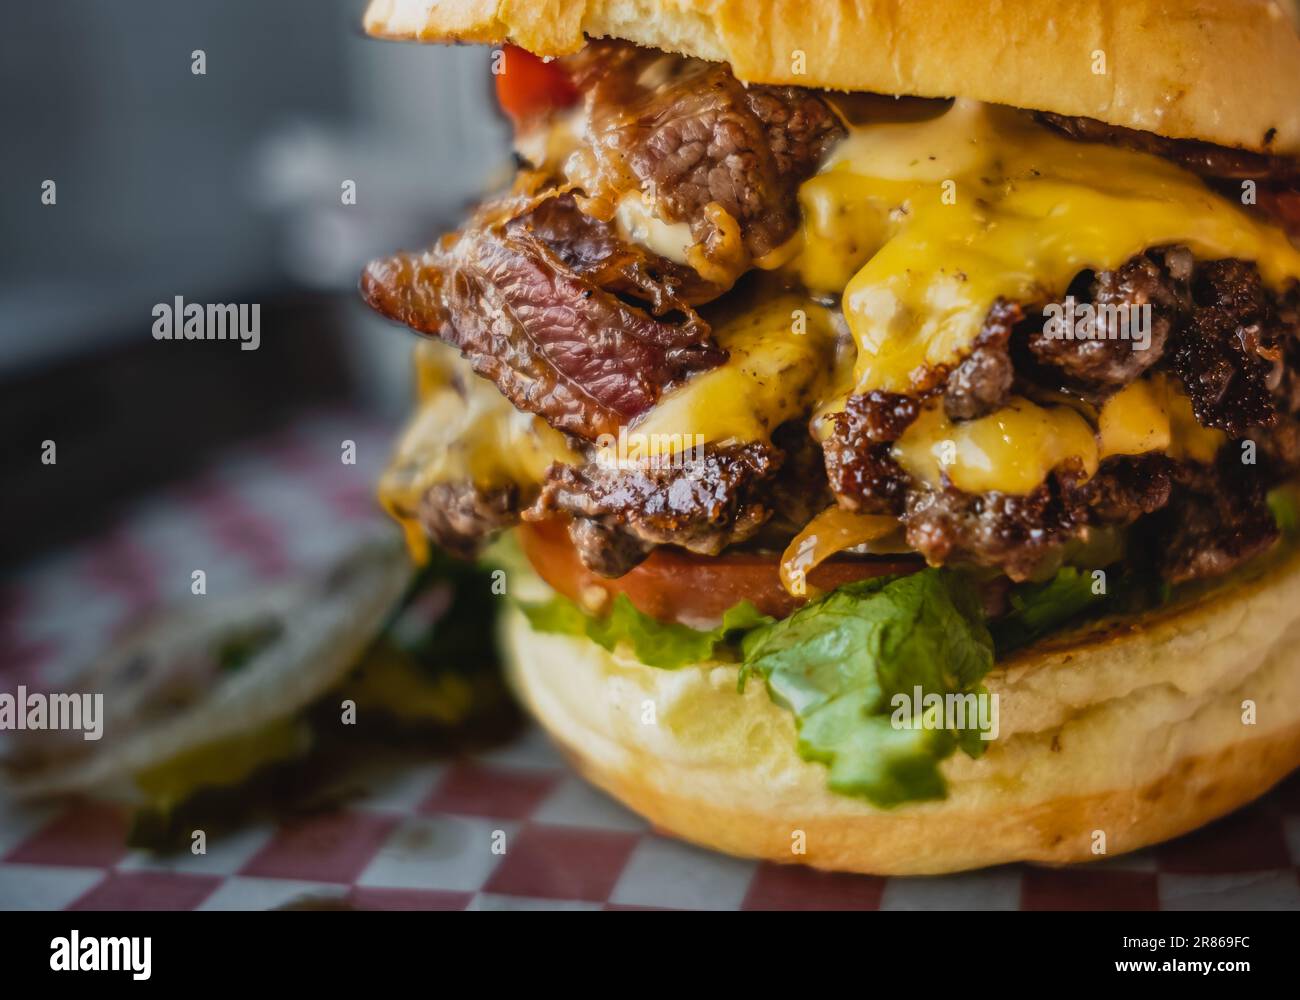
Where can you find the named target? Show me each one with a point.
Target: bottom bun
(1110, 739)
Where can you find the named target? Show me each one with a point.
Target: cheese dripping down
(924, 225)
(1015, 449)
(463, 431)
(920, 225)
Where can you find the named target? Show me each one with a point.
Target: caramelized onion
(831, 531)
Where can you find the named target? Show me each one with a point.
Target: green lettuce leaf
(839, 663)
(1284, 502)
(1040, 608)
(657, 644)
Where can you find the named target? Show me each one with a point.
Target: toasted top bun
(1109, 739)
(1224, 71)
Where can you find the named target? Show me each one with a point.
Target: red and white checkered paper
(421, 838)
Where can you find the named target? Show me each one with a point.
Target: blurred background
(226, 187)
(220, 187)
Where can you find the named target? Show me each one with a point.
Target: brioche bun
(1224, 71)
(1132, 728)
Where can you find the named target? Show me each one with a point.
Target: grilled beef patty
(543, 296)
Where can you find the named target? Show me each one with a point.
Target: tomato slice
(528, 86)
(673, 585)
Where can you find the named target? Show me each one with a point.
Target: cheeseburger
(896, 405)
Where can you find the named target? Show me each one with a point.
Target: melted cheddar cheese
(920, 226)
(1010, 451)
(637, 223)
(463, 430)
(1014, 449)
(1155, 415)
(932, 221)
(781, 361)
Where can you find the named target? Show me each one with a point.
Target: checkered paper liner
(422, 837)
